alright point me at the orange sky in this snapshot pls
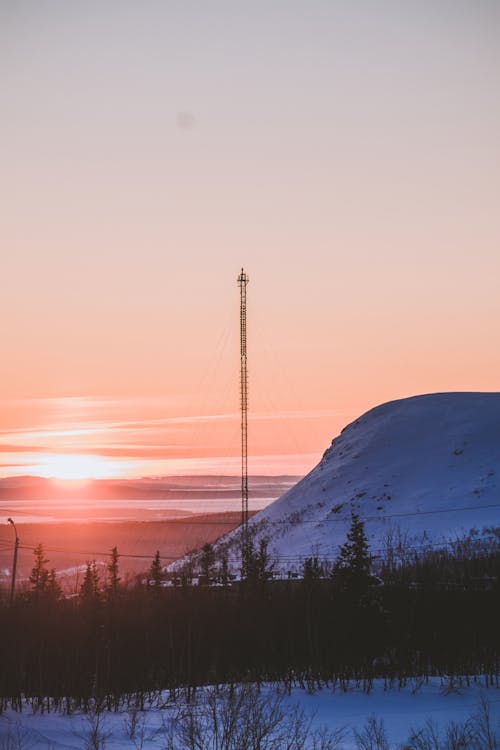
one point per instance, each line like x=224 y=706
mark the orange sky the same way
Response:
x=347 y=154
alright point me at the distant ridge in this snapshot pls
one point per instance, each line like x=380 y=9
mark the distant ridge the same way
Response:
x=168 y=487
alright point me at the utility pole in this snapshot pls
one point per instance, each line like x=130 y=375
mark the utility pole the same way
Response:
x=14 y=564
x=242 y=283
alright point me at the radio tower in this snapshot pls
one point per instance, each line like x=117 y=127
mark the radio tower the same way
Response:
x=242 y=283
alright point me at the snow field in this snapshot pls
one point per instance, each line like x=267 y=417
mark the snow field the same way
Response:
x=400 y=709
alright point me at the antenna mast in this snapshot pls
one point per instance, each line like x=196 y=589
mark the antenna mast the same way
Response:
x=242 y=283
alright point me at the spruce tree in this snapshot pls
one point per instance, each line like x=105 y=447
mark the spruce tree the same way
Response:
x=39 y=577
x=53 y=589
x=89 y=590
x=259 y=566
x=155 y=572
x=224 y=571
x=207 y=563
x=352 y=568
x=312 y=570
x=114 y=578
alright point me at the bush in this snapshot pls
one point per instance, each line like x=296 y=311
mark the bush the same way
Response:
x=243 y=718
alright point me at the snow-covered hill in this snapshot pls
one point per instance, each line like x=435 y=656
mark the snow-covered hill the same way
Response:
x=426 y=468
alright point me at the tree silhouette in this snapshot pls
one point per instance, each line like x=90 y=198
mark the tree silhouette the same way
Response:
x=207 y=563
x=53 y=588
x=352 y=568
x=258 y=567
x=224 y=577
x=39 y=577
x=312 y=570
x=114 y=578
x=155 y=572
x=89 y=590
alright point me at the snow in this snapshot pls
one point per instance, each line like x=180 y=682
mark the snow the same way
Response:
x=401 y=710
x=427 y=467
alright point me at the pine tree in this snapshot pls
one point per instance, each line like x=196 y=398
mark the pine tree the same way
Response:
x=114 y=578
x=352 y=568
x=89 y=590
x=258 y=565
x=224 y=571
x=207 y=563
x=312 y=570
x=39 y=577
x=53 y=588
x=155 y=572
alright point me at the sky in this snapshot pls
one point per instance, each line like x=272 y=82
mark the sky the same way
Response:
x=346 y=154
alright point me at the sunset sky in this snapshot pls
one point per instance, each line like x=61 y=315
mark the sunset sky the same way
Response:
x=347 y=154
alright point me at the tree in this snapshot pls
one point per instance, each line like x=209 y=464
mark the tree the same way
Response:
x=114 y=578
x=352 y=568
x=224 y=571
x=312 y=570
x=39 y=577
x=43 y=581
x=155 y=572
x=89 y=590
x=207 y=563
x=53 y=588
x=258 y=566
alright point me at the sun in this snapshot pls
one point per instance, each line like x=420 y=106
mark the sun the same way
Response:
x=67 y=466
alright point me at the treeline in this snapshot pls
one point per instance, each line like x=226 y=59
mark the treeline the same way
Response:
x=328 y=627
x=308 y=633
x=471 y=562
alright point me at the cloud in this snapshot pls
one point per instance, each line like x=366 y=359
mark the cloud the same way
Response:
x=7 y=448
x=140 y=451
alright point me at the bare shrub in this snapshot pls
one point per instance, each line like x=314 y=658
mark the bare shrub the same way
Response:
x=243 y=718
x=94 y=733
x=458 y=736
x=372 y=736
x=485 y=737
x=477 y=733
x=327 y=739
x=426 y=738
x=135 y=724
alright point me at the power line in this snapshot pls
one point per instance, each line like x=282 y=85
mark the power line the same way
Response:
x=187 y=522
x=95 y=553
x=400 y=515
x=283 y=558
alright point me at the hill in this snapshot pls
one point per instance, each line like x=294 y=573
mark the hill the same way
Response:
x=419 y=471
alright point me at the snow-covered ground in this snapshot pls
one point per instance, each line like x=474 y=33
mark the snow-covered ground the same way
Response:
x=401 y=710
x=426 y=468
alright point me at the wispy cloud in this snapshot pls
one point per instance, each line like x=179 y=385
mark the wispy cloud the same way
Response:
x=142 y=433
x=6 y=448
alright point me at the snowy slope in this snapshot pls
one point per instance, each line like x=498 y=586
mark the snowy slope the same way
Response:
x=426 y=466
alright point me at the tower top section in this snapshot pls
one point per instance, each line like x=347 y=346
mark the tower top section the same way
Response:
x=243 y=278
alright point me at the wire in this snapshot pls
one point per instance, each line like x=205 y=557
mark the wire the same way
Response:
x=290 y=559
x=94 y=553
x=282 y=558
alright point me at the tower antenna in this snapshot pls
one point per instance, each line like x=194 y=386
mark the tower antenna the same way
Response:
x=242 y=283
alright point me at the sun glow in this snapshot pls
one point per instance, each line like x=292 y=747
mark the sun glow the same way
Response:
x=76 y=466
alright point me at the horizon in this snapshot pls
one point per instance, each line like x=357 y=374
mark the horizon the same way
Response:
x=41 y=500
